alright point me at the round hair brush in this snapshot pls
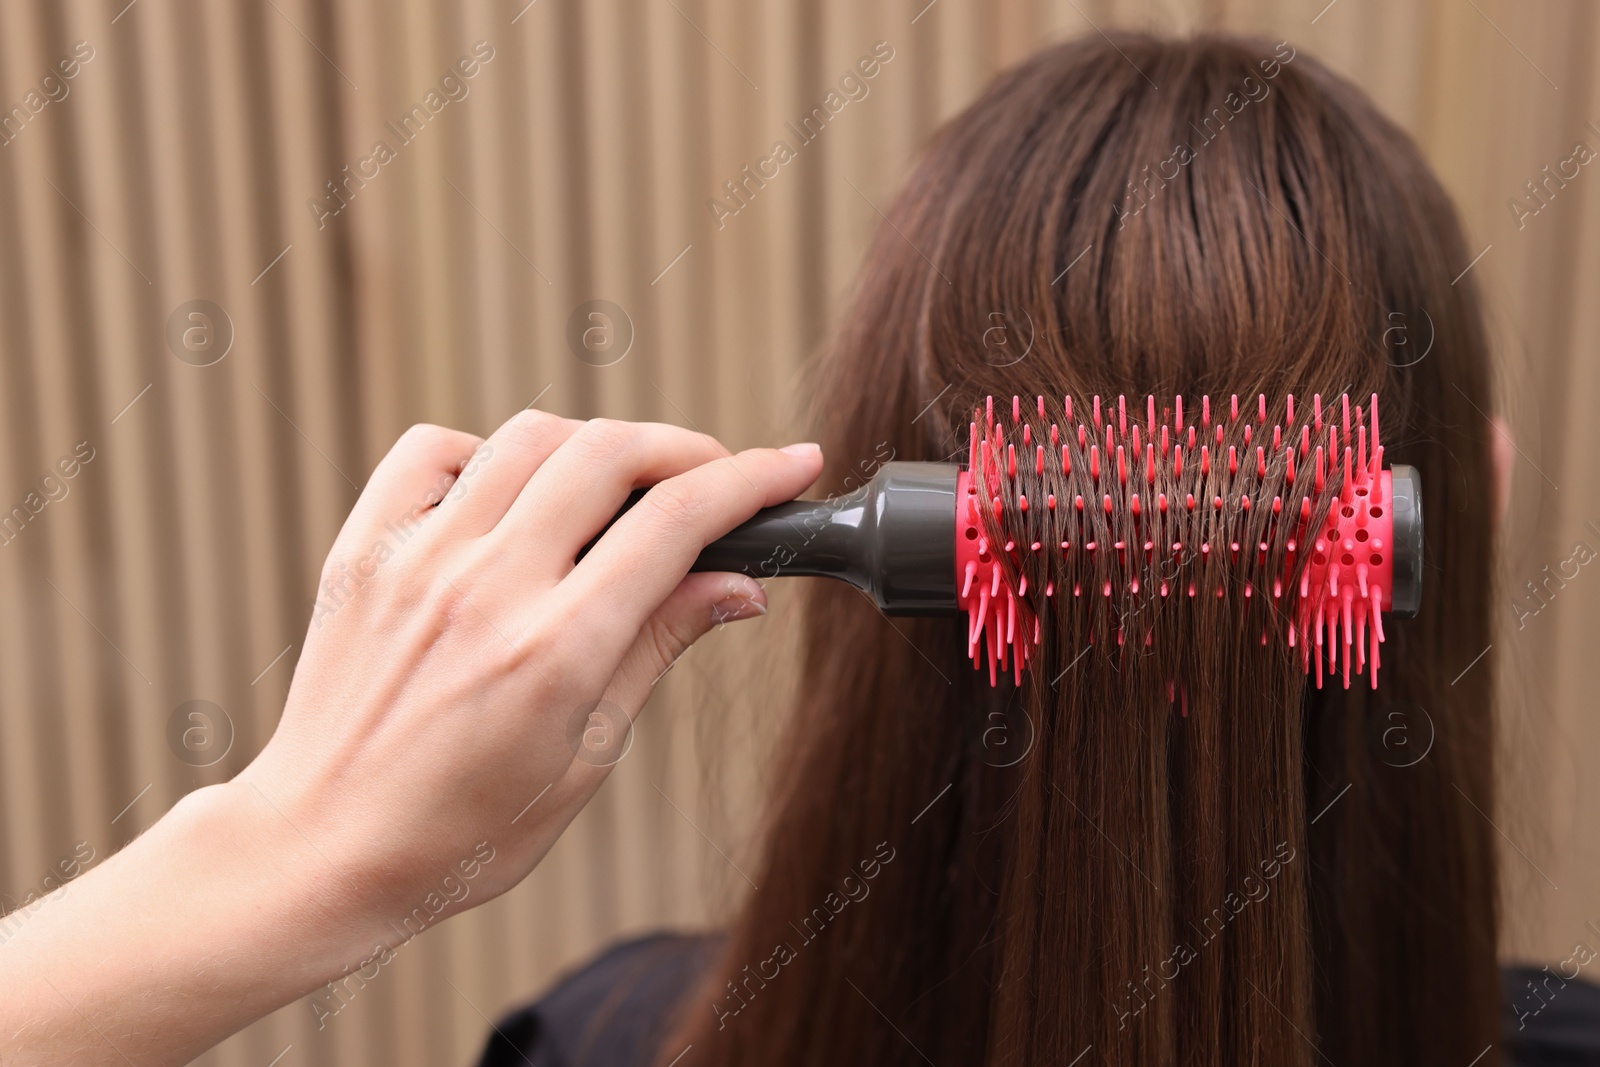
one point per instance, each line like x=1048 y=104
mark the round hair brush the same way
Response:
x=1060 y=510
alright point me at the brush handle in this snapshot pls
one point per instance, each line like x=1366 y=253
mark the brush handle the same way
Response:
x=893 y=538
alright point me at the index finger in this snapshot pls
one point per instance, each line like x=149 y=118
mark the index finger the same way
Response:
x=640 y=560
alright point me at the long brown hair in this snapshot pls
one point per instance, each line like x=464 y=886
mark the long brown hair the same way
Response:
x=1078 y=870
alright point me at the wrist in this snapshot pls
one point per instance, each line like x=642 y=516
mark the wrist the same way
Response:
x=217 y=915
x=296 y=891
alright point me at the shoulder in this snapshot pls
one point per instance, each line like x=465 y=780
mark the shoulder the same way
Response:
x=610 y=1012
x=1550 y=1020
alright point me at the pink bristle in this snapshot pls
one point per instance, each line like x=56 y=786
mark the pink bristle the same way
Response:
x=1374 y=420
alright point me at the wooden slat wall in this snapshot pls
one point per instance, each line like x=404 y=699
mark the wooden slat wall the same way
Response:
x=181 y=563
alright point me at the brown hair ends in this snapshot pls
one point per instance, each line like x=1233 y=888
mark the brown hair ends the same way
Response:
x=1077 y=870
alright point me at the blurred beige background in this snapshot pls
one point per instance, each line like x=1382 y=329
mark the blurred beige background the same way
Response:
x=188 y=158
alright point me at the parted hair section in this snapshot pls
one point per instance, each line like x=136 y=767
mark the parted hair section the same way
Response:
x=1161 y=843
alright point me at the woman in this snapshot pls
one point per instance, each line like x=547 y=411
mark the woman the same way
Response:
x=1266 y=878
x=1248 y=879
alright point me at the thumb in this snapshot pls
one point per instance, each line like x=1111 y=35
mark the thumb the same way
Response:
x=700 y=604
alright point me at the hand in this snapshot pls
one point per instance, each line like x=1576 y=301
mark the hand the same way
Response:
x=476 y=671
x=463 y=689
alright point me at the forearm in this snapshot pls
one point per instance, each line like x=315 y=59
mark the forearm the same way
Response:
x=217 y=915
x=435 y=724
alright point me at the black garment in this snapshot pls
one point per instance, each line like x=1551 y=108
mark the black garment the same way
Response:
x=615 y=1011
x=612 y=1012
x=1552 y=1022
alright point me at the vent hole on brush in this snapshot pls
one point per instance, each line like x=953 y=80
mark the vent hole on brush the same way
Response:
x=972 y=534
x=1376 y=512
x=1361 y=492
x=1348 y=512
x=1347 y=559
x=1320 y=558
x=1361 y=535
x=1377 y=559
x=984 y=556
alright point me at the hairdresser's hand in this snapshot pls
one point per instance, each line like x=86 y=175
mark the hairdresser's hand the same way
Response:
x=461 y=694
x=473 y=692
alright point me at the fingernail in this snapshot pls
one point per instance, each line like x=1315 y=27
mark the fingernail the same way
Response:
x=805 y=448
x=745 y=599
